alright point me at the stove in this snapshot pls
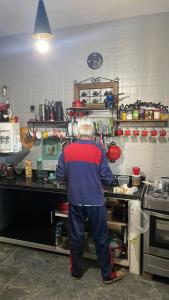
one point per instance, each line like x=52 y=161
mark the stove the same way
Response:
x=156 y=200
x=156 y=239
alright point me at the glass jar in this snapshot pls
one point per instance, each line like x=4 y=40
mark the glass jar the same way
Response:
x=141 y=113
x=149 y=114
x=129 y=115
x=135 y=114
x=156 y=114
x=28 y=168
x=136 y=180
x=164 y=116
x=123 y=115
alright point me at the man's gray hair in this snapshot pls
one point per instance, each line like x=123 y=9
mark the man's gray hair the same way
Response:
x=86 y=127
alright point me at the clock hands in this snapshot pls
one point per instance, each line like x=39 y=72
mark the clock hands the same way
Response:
x=96 y=62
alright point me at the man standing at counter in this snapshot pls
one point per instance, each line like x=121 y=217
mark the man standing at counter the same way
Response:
x=84 y=166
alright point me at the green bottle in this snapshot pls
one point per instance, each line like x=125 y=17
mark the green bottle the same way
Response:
x=39 y=169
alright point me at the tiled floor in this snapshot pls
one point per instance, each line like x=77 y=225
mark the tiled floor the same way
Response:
x=27 y=274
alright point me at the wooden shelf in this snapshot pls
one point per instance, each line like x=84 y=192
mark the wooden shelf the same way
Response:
x=60 y=214
x=87 y=108
x=92 y=96
x=58 y=124
x=111 y=223
x=141 y=120
x=47 y=122
x=118 y=261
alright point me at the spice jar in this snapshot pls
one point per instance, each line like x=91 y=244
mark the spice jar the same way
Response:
x=135 y=114
x=141 y=113
x=129 y=115
x=123 y=115
x=149 y=114
x=156 y=114
x=164 y=116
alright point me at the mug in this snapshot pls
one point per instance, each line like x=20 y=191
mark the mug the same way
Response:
x=84 y=94
x=144 y=132
x=153 y=132
x=95 y=93
x=162 y=132
x=127 y=132
x=136 y=170
x=136 y=132
x=119 y=132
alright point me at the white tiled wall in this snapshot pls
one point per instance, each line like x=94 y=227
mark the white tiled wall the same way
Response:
x=135 y=50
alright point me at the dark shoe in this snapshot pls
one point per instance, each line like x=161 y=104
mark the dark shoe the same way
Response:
x=115 y=276
x=76 y=277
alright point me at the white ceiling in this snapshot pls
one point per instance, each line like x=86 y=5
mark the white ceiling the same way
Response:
x=18 y=16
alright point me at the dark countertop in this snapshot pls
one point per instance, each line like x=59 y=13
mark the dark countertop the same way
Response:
x=21 y=183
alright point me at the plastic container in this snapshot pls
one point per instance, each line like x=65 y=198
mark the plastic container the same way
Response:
x=123 y=179
x=116 y=247
x=63 y=207
x=136 y=228
x=136 y=170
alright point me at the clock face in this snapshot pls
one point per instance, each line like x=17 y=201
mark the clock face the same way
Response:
x=95 y=60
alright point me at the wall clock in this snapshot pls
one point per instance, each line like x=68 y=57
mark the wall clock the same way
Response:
x=95 y=60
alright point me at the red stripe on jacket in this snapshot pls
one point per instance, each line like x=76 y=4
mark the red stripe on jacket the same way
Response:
x=82 y=152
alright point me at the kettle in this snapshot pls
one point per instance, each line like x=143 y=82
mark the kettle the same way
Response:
x=114 y=152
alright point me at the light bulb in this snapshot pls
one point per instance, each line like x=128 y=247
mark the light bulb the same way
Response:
x=42 y=46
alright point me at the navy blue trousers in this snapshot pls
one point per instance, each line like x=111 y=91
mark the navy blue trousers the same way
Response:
x=97 y=218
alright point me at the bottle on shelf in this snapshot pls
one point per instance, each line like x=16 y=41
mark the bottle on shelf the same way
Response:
x=39 y=169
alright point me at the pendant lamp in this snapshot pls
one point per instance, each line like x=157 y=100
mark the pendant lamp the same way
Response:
x=42 y=30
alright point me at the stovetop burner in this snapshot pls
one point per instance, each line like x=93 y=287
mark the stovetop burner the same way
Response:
x=158 y=195
x=156 y=200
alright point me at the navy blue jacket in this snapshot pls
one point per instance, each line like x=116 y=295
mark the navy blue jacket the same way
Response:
x=84 y=166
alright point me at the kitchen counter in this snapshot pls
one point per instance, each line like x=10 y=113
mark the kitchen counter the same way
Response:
x=29 y=214
x=21 y=183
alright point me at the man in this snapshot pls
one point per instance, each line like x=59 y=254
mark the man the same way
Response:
x=83 y=165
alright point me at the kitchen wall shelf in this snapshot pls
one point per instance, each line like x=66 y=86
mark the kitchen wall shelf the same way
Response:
x=87 y=108
x=98 y=84
x=48 y=122
x=53 y=124
x=143 y=123
x=141 y=120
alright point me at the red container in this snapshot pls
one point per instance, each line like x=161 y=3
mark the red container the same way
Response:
x=77 y=103
x=136 y=170
x=63 y=207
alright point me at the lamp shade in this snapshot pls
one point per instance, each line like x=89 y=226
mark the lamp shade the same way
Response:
x=42 y=28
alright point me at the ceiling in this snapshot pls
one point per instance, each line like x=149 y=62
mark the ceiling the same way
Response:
x=18 y=16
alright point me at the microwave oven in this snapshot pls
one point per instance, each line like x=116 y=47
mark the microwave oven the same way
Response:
x=10 y=138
